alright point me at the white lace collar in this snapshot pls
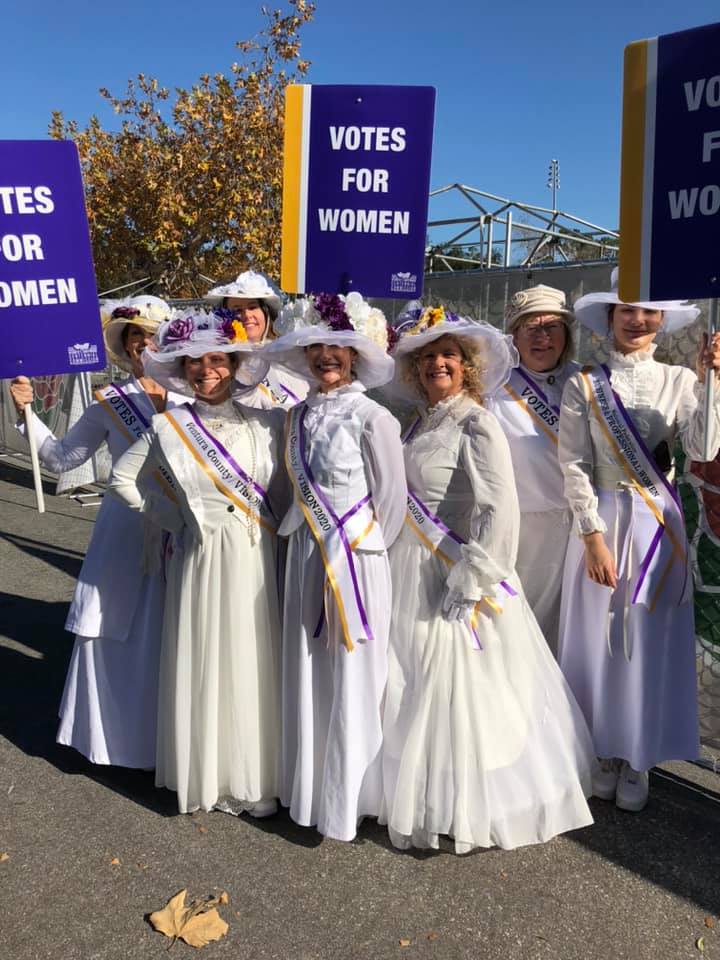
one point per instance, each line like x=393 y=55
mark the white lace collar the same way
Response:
x=450 y=411
x=215 y=411
x=316 y=399
x=618 y=359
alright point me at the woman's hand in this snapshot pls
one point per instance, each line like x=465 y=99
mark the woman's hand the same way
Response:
x=599 y=562
x=708 y=356
x=22 y=393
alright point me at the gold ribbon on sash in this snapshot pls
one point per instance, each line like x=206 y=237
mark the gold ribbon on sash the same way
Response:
x=330 y=532
x=215 y=461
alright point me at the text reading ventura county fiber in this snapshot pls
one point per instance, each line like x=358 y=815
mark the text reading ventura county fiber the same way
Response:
x=365 y=180
x=18 y=247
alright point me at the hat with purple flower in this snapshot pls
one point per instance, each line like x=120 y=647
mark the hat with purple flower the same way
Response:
x=193 y=333
x=342 y=321
x=494 y=353
x=144 y=311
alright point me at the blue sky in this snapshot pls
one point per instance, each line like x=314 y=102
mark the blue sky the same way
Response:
x=518 y=82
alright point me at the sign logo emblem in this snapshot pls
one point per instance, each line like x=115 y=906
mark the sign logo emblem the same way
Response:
x=82 y=353
x=403 y=282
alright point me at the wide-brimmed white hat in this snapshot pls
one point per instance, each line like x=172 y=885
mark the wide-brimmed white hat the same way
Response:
x=537 y=299
x=144 y=311
x=248 y=286
x=417 y=326
x=194 y=333
x=592 y=310
x=343 y=321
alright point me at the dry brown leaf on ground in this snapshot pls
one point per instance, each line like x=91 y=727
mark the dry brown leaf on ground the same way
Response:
x=197 y=924
x=114 y=862
x=433 y=936
x=404 y=942
x=4 y=857
x=709 y=922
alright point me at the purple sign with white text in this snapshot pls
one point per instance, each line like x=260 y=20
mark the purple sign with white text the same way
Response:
x=49 y=311
x=361 y=199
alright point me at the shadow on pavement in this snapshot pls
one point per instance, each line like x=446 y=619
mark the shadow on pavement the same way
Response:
x=35 y=655
x=69 y=561
x=22 y=477
x=672 y=843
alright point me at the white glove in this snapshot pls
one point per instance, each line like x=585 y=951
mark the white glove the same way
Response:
x=456 y=607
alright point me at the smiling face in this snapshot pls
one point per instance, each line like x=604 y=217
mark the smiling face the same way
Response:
x=330 y=365
x=210 y=376
x=634 y=328
x=540 y=340
x=135 y=339
x=250 y=314
x=441 y=367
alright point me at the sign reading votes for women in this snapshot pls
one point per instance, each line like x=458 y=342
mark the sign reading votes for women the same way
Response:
x=670 y=183
x=49 y=314
x=355 y=193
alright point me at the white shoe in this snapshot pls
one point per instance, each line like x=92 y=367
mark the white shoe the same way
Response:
x=605 y=779
x=632 y=789
x=263 y=808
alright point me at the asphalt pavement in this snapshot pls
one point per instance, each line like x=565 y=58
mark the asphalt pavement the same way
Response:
x=87 y=852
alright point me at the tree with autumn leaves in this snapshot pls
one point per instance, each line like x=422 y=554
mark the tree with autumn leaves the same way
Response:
x=191 y=184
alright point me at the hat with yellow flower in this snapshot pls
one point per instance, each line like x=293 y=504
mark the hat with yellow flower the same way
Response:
x=342 y=321
x=193 y=333
x=144 y=311
x=416 y=326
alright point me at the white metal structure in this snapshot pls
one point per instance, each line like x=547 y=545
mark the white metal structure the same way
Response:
x=498 y=232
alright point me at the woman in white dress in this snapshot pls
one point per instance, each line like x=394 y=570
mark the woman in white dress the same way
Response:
x=219 y=709
x=483 y=740
x=109 y=705
x=345 y=461
x=253 y=300
x=528 y=408
x=627 y=641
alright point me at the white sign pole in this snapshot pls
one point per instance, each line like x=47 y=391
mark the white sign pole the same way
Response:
x=710 y=379
x=37 y=479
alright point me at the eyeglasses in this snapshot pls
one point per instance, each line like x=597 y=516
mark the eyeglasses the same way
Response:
x=536 y=330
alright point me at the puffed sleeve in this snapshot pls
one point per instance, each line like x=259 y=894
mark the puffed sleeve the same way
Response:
x=691 y=416
x=78 y=445
x=385 y=467
x=489 y=555
x=575 y=452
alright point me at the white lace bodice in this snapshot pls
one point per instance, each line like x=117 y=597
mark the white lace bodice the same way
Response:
x=665 y=403
x=458 y=462
x=352 y=445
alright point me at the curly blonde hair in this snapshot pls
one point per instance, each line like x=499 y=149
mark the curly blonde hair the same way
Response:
x=473 y=357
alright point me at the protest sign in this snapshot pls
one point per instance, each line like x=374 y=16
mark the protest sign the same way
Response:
x=49 y=315
x=670 y=177
x=356 y=186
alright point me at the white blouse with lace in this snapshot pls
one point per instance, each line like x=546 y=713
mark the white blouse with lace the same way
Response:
x=665 y=403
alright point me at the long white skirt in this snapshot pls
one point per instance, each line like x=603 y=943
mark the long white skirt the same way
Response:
x=487 y=746
x=632 y=670
x=219 y=708
x=542 y=547
x=108 y=710
x=332 y=698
